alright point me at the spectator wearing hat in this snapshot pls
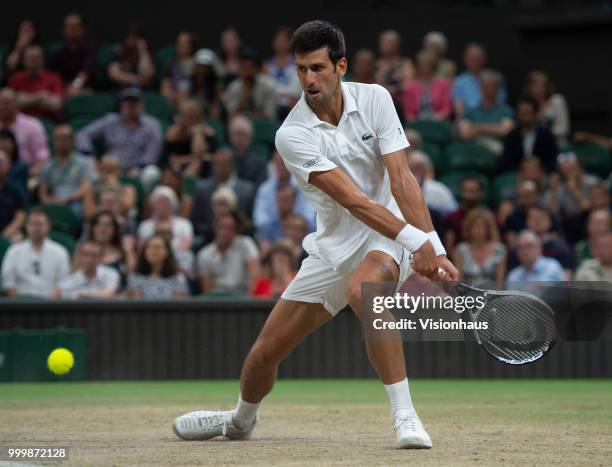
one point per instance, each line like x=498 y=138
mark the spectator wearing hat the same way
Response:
x=75 y=61
x=133 y=136
x=206 y=83
x=131 y=64
x=249 y=165
x=40 y=92
x=36 y=265
x=178 y=72
x=91 y=279
x=67 y=179
x=252 y=93
x=164 y=221
x=29 y=132
x=569 y=187
x=529 y=139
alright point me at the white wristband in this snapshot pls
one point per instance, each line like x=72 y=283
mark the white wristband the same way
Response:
x=411 y=238
x=436 y=243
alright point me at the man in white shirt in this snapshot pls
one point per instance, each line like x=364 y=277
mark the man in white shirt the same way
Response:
x=36 y=265
x=92 y=279
x=345 y=145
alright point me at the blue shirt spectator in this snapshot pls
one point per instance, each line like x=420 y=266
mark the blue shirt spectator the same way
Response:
x=265 y=209
x=534 y=267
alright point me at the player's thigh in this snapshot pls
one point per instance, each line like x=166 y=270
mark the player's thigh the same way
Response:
x=377 y=266
x=287 y=325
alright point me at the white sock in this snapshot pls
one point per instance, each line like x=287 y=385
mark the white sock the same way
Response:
x=399 y=396
x=244 y=413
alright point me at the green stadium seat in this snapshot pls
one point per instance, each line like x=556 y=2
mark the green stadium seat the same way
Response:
x=50 y=49
x=105 y=55
x=49 y=126
x=470 y=156
x=159 y=107
x=504 y=186
x=265 y=133
x=432 y=131
x=89 y=106
x=453 y=181
x=63 y=239
x=189 y=185
x=80 y=122
x=163 y=56
x=594 y=158
x=436 y=156
x=4 y=245
x=219 y=130
x=63 y=219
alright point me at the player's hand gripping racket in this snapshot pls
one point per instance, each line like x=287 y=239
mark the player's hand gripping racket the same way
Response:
x=521 y=328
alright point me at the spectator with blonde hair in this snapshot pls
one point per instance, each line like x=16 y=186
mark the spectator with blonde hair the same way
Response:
x=436 y=42
x=178 y=230
x=480 y=257
x=427 y=97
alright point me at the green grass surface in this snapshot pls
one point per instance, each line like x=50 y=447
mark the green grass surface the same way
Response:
x=502 y=393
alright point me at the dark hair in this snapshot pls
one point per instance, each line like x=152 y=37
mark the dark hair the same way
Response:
x=39 y=211
x=116 y=238
x=237 y=218
x=8 y=134
x=168 y=269
x=528 y=100
x=316 y=34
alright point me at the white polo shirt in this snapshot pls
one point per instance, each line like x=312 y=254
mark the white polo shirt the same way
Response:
x=368 y=129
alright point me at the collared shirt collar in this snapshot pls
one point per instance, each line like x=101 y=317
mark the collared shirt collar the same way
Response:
x=348 y=102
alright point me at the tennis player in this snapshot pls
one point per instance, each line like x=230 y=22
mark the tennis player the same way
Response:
x=345 y=145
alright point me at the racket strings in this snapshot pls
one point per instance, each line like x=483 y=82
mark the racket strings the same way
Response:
x=520 y=329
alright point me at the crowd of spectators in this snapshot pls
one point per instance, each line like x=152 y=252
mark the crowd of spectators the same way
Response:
x=175 y=187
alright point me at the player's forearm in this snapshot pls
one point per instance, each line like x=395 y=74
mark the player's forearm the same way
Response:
x=409 y=198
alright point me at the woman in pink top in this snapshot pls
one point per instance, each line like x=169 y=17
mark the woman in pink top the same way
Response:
x=427 y=97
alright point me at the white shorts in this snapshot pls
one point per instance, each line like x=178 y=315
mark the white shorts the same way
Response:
x=317 y=282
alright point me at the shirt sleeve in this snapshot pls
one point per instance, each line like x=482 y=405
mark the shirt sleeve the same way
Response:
x=204 y=268
x=250 y=248
x=300 y=154
x=9 y=276
x=389 y=130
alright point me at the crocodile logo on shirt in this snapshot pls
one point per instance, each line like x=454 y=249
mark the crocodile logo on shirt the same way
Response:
x=367 y=136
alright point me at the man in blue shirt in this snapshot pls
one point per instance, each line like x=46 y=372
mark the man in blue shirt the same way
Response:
x=467 y=93
x=534 y=267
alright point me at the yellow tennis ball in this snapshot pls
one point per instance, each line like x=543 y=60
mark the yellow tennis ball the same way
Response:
x=60 y=361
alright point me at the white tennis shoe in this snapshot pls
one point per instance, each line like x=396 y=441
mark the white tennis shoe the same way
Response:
x=410 y=431
x=203 y=425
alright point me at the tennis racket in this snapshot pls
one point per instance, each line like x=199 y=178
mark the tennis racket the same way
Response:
x=521 y=328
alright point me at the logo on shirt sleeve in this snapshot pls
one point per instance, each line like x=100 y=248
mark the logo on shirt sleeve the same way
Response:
x=312 y=162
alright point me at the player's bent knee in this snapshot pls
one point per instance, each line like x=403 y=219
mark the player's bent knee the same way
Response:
x=265 y=353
